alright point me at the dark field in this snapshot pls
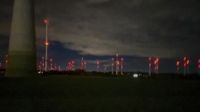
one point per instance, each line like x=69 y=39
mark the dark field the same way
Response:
x=99 y=94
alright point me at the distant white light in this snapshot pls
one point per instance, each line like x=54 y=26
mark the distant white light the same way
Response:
x=135 y=75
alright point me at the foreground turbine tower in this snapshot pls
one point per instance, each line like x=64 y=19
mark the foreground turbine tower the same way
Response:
x=22 y=50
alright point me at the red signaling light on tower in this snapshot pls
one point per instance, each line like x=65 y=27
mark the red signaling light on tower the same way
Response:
x=188 y=62
x=156 y=61
x=185 y=62
x=46 y=21
x=184 y=59
x=177 y=63
x=46 y=43
x=177 y=66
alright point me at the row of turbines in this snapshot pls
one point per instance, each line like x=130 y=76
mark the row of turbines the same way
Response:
x=48 y=65
x=181 y=65
x=116 y=65
x=154 y=63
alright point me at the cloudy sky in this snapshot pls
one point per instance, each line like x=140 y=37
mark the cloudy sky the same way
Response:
x=98 y=29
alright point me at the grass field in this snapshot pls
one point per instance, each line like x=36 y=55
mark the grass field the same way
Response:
x=98 y=94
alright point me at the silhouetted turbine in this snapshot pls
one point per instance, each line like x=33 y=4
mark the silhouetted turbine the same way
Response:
x=22 y=50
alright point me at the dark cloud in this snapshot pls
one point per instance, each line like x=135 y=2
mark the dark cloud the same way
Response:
x=131 y=27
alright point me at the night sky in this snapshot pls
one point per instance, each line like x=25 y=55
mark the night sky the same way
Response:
x=98 y=29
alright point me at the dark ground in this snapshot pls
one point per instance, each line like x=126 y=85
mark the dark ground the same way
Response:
x=98 y=94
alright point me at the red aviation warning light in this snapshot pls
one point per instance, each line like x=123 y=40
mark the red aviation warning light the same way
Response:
x=46 y=43
x=46 y=21
x=177 y=66
x=188 y=62
x=185 y=61
x=156 y=62
x=177 y=63
x=70 y=65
